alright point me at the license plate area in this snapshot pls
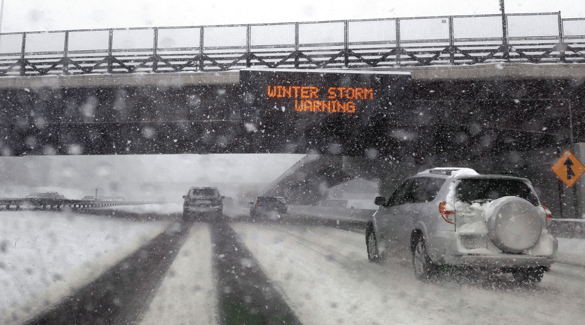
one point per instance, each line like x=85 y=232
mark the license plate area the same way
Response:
x=202 y=204
x=473 y=242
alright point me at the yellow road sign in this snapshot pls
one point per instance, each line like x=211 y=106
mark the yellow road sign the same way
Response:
x=568 y=168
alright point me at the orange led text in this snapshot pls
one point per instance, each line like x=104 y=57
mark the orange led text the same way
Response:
x=312 y=99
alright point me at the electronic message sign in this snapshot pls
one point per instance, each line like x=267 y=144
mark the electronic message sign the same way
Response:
x=330 y=111
x=309 y=92
x=311 y=98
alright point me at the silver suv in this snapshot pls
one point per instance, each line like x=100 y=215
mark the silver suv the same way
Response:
x=455 y=216
x=202 y=201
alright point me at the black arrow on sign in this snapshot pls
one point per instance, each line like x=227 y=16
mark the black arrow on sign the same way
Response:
x=570 y=172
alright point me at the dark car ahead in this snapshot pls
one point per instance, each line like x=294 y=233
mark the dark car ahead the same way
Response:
x=268 y=206
x=202 y=202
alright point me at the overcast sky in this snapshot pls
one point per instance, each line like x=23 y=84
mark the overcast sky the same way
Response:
x=39 y=15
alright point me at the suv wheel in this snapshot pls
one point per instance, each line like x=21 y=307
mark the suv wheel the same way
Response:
x=372 y=246
x=528 y=276
x=424 y=269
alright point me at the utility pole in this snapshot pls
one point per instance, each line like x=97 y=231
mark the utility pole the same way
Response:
x=504 y=31
x=1 y=16
x=1 y=13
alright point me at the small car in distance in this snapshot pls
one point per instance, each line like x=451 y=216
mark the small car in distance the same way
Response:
x=268 y=206
x=203 y=202
x=457 y=217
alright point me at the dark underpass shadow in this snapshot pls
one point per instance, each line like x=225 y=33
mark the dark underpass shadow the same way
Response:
x=121 y=294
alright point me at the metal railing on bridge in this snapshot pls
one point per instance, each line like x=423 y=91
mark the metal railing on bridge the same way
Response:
x=374 y=43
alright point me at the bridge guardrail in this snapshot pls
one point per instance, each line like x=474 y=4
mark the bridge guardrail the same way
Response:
x=338 y=213
x=15 y=204
x=368 y=43
x=568 y=228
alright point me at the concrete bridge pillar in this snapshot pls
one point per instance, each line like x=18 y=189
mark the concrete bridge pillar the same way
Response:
x=388 y=172
x=579 y=190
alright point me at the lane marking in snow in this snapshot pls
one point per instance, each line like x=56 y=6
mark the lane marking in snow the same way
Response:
x=187 y=293
x=245 y=294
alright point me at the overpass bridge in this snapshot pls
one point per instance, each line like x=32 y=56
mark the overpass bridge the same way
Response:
x=362 y=44
x=473 y=94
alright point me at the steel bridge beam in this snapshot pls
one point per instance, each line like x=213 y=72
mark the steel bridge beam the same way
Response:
x=495 y=71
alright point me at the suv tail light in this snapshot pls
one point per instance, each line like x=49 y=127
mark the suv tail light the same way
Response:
x=548 y=216
x=447 y=212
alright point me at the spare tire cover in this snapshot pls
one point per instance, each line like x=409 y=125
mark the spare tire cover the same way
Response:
x=514 y=224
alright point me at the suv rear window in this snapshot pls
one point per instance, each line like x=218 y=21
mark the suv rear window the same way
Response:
x=470 y=190
x=203 y=192
x=416 y=190
x=268 y=201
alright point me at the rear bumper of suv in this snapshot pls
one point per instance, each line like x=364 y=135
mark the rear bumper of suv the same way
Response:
x=447 y=249
x=203 y=213
x=203 y=209
x=499 y=261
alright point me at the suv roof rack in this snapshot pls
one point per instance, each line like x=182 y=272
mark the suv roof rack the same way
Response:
x=444 y=170
x=500 y=172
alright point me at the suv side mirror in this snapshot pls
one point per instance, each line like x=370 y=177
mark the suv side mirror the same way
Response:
x=380 y=200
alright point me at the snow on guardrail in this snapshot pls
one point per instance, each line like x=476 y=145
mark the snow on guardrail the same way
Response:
x=564 y=228
x=568 y=228
x=15 y=204
x=336 y=213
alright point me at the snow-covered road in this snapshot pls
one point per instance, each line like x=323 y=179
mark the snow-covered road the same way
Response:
x=321 y=275
x=46 y=256
x=326 y=276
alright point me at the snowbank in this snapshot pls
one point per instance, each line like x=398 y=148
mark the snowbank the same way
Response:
x=166 y=208
x=571 y=250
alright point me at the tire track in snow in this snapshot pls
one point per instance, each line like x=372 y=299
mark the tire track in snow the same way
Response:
x=245 y=293
x=120 y=294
